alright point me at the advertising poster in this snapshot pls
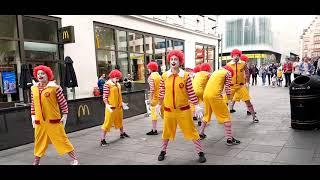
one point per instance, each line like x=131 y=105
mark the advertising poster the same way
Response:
x=9 y=82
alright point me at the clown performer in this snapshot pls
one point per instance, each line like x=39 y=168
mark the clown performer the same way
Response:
x=237 y=97
x=112 y=98
x=175 y=92
x=214 y=102
x=199 y=84
x=240 y=81
x=47 y=121
x=154 y=84
x=192 y=75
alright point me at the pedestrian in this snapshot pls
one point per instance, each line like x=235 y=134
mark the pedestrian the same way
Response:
x=274 y=80
x=287 y=70
x=263 y=73
x=214 y=102
x=101 y=81
x=279 y=76
x=154 y=85
x=296 y=69
x=254 y=73
x=175 y=91
x=48 y=123
x=199 y=84
x=240 y=82
x=305 y=67
x=114 y=106
x=269 y=72
x=318 y=67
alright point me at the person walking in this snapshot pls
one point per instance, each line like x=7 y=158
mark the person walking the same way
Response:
x=296 y=69
x=287 y=70
x=306 y=67
x=254 y=73
x=263 y=73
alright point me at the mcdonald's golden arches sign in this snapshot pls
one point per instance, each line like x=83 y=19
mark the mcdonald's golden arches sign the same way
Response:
x=67 y=34
x=83 y=110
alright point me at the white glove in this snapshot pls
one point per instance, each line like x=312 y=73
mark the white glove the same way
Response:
x=33 y=120
x=199 y=111
x=64 y=119
x=125 y=106
x=158 y=109
x=230 y=104
x=108 y=107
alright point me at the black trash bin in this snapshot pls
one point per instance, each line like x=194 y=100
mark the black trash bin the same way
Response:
x=305 y=102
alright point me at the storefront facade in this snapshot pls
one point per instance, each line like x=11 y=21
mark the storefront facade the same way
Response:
x=105 y=42
x=31 y=40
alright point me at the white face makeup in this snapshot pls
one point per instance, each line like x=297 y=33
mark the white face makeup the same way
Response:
x=115 y=80
x=42 y=76
x=236 y=58
x=174 y=62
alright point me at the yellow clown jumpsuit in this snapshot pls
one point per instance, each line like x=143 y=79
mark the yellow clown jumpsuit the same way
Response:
x=238 y=80
x=199 y=84
x=213 y=100
x=156 y=78
x=48 y=128
x=115 y=117
x=176 y=106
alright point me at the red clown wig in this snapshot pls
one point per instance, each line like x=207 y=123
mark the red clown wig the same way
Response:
x=115 y=74
x=153 y=66
x=45 y=69
x=236 y=52
x=177 y=53
x=205 y=67
x=197 y=69
x=244 y=58
x=229 y=69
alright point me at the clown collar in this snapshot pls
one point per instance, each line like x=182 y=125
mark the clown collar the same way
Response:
x=112 y=83
x=232 y=62
x=181 y=73
x=50 y=84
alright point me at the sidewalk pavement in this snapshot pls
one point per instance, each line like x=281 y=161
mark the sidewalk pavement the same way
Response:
x=271 y=141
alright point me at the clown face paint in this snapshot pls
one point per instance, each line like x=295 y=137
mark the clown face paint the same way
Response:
x=174 y=62
x=236 y=58
x=42 y=76
x=115 y=80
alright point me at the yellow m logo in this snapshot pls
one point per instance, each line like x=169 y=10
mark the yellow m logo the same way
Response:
x=65 y=35
x=83 y=108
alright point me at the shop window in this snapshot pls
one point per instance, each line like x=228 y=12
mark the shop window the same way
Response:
x=8 y=26
x=9 y=64
x=178 y=45
x=40 y=51
x=149 y=44
x=160 y=52
x=121 y=40
x=104 y=38
x=137 y=67
x=123 y=63
x=169 y=45
x=199 y=54
x=137 y=42
x=106 y=61
x=39 y=29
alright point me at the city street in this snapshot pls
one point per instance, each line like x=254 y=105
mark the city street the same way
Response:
x=269 y=142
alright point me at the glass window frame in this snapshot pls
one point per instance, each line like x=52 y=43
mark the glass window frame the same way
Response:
x=144 y=34
x=205 y=48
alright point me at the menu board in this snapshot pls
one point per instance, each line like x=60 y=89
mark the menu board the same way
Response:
x=9 y=82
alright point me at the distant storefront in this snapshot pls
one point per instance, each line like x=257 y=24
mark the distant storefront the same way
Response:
x=31 y=40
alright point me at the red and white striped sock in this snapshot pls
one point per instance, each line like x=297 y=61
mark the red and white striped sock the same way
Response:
x=121 y=130
x=154 y=125
x=228 y=129
x=164 y=145
x=197 y=146
x=251 y=110
x=36 y=160
x=203 y=126
x=232 y=104
x=103 y=135
x=73 y=155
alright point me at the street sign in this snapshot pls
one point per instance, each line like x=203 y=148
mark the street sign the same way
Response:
x=66 y=34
